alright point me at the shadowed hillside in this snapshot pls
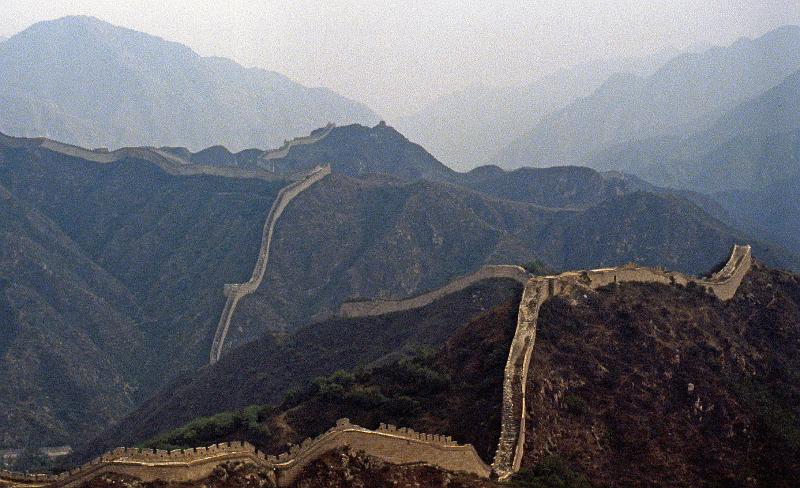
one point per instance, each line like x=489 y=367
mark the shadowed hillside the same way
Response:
x=399 y=239
x=661 y=386
x=264 y=370
x=630 y=385
x=71 y=339
x=173 y=240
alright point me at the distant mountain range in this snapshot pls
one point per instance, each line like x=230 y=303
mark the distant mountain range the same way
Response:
x=749 y=148
x=688 y=94
x=466 y=128
x=87 y=82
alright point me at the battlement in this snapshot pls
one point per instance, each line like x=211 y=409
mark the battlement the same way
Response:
x=371 y=308
x=511 y=444
x=392 y=444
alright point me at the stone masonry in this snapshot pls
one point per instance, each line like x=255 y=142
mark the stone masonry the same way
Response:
x=399 y=446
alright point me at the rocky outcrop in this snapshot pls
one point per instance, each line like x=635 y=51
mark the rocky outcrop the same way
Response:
x=380 y=307
x=398 y=446
x=236 y=291
x=511 y=444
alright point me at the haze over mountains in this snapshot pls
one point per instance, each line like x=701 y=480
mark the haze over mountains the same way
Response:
x=689 y=93
x=386 y=227
x=87 y=82
x=466 y=128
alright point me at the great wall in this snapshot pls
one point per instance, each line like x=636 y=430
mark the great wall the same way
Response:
x=510 y=447
x=236 y=291
x=312 y=138
x=387 y=442
x=403 y=446
x=399 y=446
x=380 y=307
x=170 y=163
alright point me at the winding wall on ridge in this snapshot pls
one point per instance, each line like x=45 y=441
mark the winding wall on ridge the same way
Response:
x=380 y=307
x=511 y=445
x=164 y=160
x=399 y=446
x=236 y=291
x=313 y=138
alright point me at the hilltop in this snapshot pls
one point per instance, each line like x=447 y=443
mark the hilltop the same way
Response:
x=87 y=82
x=465 y=129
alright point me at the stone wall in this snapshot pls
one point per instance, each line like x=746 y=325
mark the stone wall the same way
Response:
x=313 y=138
x=236 y=291
x=510 y=447
x=380 y=307
x=387 y=442
x=399 y=446
x=164 y=160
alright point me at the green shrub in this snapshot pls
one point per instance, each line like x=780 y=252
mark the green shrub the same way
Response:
x=552 y=472
x=422 y=378
x=366 y=397
x=575 y=404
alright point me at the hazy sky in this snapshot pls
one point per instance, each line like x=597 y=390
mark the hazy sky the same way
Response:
x=396 y=55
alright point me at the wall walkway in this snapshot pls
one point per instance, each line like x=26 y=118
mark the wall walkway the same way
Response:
x=380 y=307
x=236 y=291
x=510 y=447
x=313 y=138
x=400 y=446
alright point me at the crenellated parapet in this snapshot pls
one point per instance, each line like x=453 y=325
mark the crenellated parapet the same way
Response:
x=392 y=444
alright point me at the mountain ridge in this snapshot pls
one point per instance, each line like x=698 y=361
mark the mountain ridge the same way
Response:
x=688 y=93
x=148 y=91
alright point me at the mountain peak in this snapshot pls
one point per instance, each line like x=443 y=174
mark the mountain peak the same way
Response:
x=87 y=82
